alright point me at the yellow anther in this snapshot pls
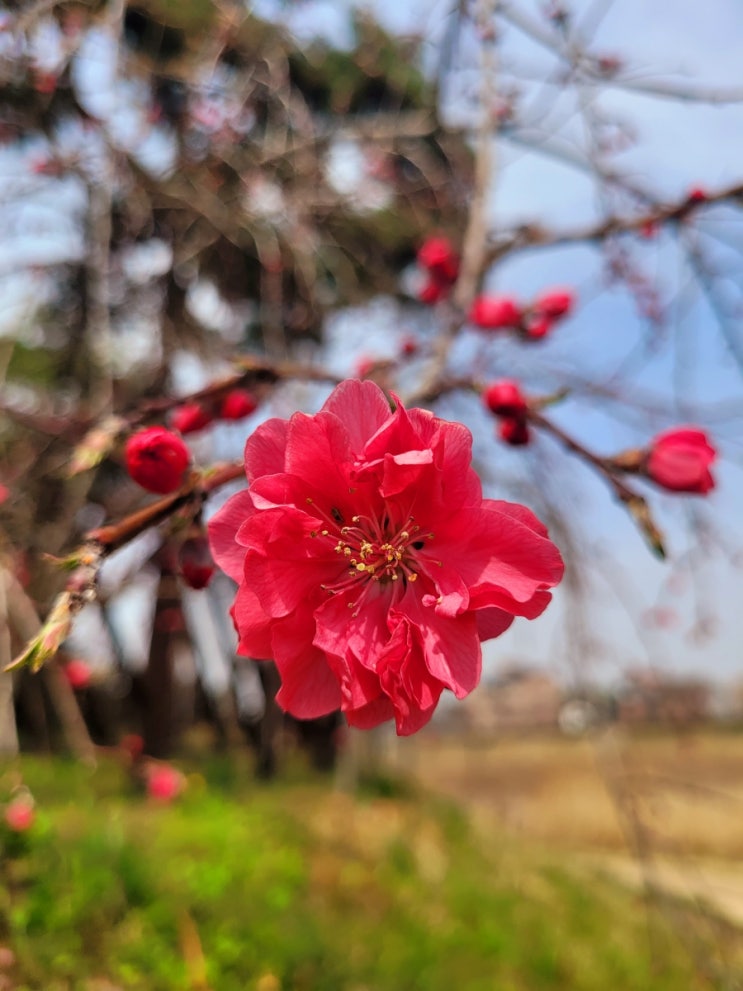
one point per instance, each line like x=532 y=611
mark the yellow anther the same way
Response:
x=412 y=577
x=361 y=566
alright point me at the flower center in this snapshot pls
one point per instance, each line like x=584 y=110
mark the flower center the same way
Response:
x=375 y=549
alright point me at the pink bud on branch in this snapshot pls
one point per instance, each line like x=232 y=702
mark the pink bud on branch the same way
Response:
x=679 y=460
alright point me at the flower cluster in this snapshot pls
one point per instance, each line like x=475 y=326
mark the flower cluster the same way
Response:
x=369 y=565
x=498 y=312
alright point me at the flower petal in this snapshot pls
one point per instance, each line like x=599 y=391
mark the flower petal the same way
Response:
x=223 y=527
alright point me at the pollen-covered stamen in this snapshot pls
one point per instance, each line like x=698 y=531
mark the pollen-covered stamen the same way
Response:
x=374 y=548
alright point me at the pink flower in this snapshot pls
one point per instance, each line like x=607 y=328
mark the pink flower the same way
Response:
x=19 y=814
x=157 y=459
x=495 y=312
x=370 y=566
x=679 y=460
x=164 y=783
x=190 y=418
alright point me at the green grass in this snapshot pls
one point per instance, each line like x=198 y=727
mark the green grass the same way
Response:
x=292 y=886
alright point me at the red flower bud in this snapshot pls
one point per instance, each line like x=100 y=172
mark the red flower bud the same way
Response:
x=77 y=673
x=539 y=328
x=164 y=783
x=431 y=292
x=697 y=195
x=190 y=417
x=237 y=404
x=495 y=312
x=196 y=563
x=157 y=459
x=505 y=398
x=679 y=460
x=514 y=431
x=554 y=303
x=439 y=259
x=19 y=814
x=409 y=347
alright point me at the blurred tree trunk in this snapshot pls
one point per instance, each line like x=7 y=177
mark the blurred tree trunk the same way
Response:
x=158 y=678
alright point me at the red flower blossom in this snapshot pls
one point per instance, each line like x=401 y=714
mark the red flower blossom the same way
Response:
x=164 y=783
x=514 y=430
x=679 y=460
x=504 y=398
x=77 y=673
x=195 y=562
x=19 y=814
x=157 y=459
x=370 y=566
x=438 y=257
x=495 y=312
x=190 y=417
x=238 y=403
x=554 y=303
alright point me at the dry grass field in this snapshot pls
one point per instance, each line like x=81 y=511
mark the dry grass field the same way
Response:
x=679 y=794
x=658 y=811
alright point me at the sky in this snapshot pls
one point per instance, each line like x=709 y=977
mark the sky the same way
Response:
x=681 y=616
